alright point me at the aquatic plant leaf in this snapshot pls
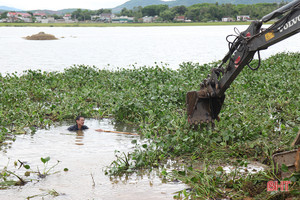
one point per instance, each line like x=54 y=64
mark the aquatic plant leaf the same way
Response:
x=27 y=166
x=133 y=141
x=284 y=168
x=27 y=173
x=44 y=160
x=220 y=168
x=182 y=173
x=8 y=183
x=164 y=173
x=295 y=192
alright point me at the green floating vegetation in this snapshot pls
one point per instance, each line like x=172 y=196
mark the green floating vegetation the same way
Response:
x=10 y=178
x=259 y=117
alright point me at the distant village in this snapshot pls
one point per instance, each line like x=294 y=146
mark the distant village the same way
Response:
x=205 y=12
x=15 y=17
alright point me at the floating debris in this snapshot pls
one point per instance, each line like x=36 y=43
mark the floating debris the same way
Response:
x=41 y=36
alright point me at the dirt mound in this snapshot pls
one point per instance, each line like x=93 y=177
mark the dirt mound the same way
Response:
x=41 y=36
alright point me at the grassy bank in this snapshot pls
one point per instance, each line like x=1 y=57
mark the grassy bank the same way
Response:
x=120 y=25
x=259 y=117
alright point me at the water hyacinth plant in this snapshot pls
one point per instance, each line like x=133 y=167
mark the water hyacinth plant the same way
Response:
x=260 y=114
x=9 y=177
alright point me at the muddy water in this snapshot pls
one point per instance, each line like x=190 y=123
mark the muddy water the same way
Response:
x=93 y=46
x=85 y=155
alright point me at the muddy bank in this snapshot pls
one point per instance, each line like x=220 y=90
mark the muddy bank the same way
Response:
x=41 y=36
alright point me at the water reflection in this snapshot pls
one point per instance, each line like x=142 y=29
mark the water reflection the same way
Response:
x=79 y=137
x=119 y=126
x=149 y=175
x=86 y=154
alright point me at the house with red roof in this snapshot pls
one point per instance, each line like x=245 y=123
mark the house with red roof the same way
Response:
x=39 y=17
x=19 y=17
x=67 y=17
x=242 y=18
x=179 y=19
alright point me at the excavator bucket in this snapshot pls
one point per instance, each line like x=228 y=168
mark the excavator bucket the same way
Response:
x=201 y=109
x=291 y=159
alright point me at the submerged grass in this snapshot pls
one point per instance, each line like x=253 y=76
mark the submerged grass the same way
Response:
x=260 y=114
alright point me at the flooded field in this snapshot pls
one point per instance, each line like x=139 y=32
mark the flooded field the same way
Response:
x=85 y=155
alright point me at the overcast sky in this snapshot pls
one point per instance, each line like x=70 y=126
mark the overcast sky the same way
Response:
x=61 y=4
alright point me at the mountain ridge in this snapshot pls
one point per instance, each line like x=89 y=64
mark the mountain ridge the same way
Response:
x=6 y=8
x=135 y=3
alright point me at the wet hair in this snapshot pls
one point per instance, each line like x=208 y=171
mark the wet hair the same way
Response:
x=78 y=117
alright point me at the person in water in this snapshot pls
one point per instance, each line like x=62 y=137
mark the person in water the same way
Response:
x=79 y=124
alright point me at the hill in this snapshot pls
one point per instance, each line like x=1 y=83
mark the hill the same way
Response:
x=135 y=3
x=6 y=8
x=55 y=12
x=48 y=12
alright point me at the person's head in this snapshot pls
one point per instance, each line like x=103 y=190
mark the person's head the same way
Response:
x=80 y=120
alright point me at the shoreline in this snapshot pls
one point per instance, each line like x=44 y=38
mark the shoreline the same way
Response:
x=120 y=25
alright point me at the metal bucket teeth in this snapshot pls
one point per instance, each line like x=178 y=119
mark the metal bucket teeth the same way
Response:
x=203 y=110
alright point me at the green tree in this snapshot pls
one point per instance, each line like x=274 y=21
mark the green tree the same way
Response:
x=86 y=15
x=55 y=16
x=179 y=10
x=154 y=10
x=82 y=15
x=167 y=15
x=30 y=13
x=3 y=15
x=76 y=14
x=137 y=13
x=126 y=12
x=229 y=10
x=100 y=11
x=193 y=14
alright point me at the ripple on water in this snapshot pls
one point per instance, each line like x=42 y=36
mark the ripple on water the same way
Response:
x=85 y=154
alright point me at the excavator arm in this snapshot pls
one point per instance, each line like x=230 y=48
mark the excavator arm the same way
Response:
x=204 y=106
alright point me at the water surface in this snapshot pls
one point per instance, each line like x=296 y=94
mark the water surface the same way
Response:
x=113 y=47
x=86 y=155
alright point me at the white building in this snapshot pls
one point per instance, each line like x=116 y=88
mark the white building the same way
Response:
x=147 y=19
x=242 y=18
x=122 y=19
x=227 y=19
x=68 y=18
x=39 y=17
x=104 y=17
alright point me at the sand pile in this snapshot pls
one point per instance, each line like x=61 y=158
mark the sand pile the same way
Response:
x=41 y=36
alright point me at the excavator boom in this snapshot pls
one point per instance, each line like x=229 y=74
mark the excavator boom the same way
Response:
x=204 y=106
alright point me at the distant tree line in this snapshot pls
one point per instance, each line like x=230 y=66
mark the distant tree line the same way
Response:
x=82 y=15
x=197 y=13
x=203 y=12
